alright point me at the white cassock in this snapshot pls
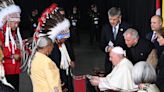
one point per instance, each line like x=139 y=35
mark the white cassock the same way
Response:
x=119 y=79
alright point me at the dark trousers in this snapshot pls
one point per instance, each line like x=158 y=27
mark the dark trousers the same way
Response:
x=90 y=88
x=67 y=80
x=108 y=66
x=74 y=34
x=95 y=33
x=13 y=80
x=5 y=88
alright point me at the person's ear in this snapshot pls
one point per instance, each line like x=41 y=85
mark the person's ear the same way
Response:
x=136 y=40
x=161 y=24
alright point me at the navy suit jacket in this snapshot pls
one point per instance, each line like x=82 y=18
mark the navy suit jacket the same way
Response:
x=149 y=35
x=155 y=43
x=107 y=35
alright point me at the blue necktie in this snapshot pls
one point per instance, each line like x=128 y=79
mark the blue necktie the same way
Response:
x=114 y=33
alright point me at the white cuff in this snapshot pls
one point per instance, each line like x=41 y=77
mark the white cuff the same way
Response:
x=106 y=49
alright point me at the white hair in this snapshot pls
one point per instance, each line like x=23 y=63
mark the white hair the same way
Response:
x=143 y=73
x=133 y=32
x=42 y=42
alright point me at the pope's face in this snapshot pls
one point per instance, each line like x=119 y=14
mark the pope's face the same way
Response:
x=114 y=58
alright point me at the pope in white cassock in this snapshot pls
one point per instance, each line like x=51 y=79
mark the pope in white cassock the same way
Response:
x=120 y=79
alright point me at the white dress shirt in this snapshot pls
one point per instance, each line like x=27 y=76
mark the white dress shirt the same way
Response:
x=154 y=36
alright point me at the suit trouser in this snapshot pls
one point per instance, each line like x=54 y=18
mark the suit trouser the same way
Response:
x=74 y=34
x=108 y=66
x=67 y=80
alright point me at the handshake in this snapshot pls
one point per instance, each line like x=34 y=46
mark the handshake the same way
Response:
x=109 y=47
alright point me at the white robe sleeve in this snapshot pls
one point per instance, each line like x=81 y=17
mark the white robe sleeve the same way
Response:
x=119 y=78
x=104 y=84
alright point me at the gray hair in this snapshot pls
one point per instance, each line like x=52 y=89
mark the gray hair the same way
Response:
x=43 y=41
x=133 y=32
x=114 y=11
x=143 y=72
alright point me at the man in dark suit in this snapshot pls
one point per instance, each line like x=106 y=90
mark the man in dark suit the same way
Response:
x=112 y=35
x=156 y=24
x=56 y=57
x=138 y=48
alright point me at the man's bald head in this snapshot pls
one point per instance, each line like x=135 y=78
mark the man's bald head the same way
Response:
x=156 y=22
x=160 y=19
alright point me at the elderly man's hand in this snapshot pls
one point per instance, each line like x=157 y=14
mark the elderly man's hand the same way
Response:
x=95 y=80
x=16 y=57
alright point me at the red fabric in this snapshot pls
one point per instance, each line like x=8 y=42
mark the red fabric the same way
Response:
x=158 y=7
x=9 y=67
x=158 y=4
x=79 y=84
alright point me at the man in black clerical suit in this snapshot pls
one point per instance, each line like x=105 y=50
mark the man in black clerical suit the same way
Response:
x=112 y=35
x=138 y=48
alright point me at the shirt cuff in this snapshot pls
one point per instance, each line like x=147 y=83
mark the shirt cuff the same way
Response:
x=106 y=48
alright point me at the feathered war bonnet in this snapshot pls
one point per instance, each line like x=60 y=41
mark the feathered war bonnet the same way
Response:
x=9 y=12
x=52 y=23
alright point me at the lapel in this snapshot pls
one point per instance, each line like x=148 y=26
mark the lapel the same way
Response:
x=120 y=32
x=109 y=33
x=151 y=35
